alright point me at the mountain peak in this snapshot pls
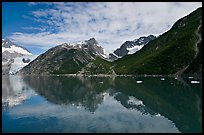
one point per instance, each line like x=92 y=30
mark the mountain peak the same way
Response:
x=92 y=41
x=7 y=43
x=130 y=47
x=9 y=46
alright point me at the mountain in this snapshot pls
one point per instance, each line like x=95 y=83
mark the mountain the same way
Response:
x=65 y=58
x=130 y=47
x=171 y=53
x=10 y=51
x=195 y=68
x=175 y=52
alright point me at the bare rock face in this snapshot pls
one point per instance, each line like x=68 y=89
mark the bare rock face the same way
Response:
x=93 y=46
x=65 y=58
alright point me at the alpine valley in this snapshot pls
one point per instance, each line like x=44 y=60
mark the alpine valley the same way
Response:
x=175 y=52
x=105 y=68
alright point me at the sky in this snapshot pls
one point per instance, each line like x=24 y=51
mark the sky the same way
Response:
x=39 y=26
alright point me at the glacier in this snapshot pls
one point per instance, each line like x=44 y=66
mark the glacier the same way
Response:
x=18 y=63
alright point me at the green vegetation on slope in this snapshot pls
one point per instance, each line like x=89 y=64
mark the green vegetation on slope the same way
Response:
x=170 y=53
x=71 y=65
x=167 y=54
x=195 y=68
x=99 y=66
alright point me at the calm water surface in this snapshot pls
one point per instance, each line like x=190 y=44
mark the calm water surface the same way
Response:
x=94 y=104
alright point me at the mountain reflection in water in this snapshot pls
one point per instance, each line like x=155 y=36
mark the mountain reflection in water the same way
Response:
x=153 y=106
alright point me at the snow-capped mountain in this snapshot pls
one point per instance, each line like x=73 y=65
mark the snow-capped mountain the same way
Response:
x=130 y=47
x=8 y=46
x=67 y=58
x=93 y=46
x=10 y=52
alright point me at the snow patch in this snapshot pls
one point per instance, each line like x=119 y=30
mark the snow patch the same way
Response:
x=134 y=49
x=16 y=49
x=105 y=53
x=80 y=43
x=116 y=55
x=97 y=45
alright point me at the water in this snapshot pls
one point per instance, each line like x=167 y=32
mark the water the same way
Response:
x=93 y=104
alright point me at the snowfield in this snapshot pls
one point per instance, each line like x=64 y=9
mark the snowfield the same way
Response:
x=16 y=49
x=134 y=49
x=19 y=64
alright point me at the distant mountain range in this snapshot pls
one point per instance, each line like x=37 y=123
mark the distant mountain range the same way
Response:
x=70 y=58
x=175 y=52
x=12 y=54
x=130 y=47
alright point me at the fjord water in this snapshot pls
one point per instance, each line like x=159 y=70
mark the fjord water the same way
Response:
x=96 y=104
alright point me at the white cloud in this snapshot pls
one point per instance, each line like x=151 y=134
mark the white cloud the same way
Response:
x=39 y=13
x=34 y=28
x=111 y=23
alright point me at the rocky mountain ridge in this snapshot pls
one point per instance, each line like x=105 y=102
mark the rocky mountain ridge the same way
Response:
x=130 y=47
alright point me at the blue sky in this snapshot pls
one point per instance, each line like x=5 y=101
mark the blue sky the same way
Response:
x=39 y=26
